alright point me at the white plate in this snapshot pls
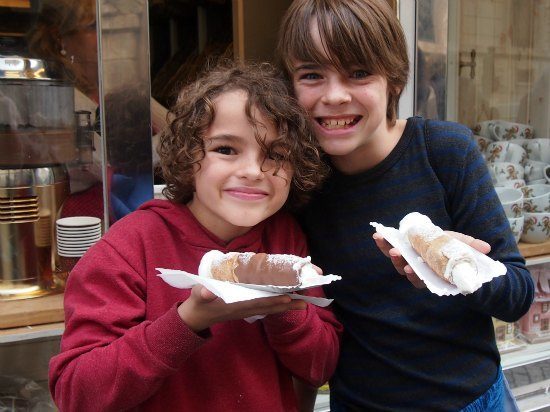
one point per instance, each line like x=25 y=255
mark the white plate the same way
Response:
x=78 y=239
x=79 y=234
x=75 y=245
x=73 y=228
x=78 y=221
x=73 y=248
x=70 y=254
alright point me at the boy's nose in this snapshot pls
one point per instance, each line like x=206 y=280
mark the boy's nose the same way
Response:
x=336 y=93
x=251 y=168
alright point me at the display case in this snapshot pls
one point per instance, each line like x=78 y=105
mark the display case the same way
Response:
x=75 y=155
x=75 y=133
x=486 y=64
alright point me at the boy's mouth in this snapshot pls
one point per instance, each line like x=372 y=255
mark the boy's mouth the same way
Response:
x=338 y=122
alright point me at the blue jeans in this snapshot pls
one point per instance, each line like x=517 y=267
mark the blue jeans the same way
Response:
x=498 y=398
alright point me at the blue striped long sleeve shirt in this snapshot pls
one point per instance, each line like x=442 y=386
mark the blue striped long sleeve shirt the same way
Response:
x=406 y=348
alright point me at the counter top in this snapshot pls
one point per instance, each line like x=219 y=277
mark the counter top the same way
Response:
x=33 y=311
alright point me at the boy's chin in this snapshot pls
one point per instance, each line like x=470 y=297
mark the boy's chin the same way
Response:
x=249 y=220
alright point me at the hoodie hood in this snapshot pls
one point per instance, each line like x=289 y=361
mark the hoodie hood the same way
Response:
x=179 y=217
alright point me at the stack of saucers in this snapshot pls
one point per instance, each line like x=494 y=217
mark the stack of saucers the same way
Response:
x=76 y=234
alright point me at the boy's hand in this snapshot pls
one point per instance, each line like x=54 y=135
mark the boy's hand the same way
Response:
x=202 y=309
x=403 y=267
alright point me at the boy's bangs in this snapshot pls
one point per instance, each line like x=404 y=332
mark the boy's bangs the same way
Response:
x=337 y=38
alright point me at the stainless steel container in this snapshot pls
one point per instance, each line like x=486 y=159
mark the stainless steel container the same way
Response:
x=37 y=125
x=29 y=203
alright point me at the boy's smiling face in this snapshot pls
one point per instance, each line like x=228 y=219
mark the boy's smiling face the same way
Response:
x=235 y=188
x=348 y=109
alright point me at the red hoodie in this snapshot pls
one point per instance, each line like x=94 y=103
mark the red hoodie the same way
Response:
x=125 y=347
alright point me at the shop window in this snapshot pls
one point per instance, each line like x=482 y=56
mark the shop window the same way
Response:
x=544 y=324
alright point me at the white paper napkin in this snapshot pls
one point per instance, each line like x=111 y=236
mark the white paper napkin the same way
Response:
x=487 y=267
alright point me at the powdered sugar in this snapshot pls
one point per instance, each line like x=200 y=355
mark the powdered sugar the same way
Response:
x=282 y=260
x=487 y=268
x=245 y=257
x=418 y=224
x=456 y=249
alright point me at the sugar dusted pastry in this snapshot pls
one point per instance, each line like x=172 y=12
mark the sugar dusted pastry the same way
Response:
x=256 y=268
x=448 y=257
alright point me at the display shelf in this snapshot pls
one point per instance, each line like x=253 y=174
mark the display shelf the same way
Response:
x=32 y=311
x=31 y=333
x=537 y=260
x=538 y=402
x=535 y=250
x=31 y=319
x=531 y=353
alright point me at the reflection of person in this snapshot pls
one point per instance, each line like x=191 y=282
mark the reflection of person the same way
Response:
x=426 y=99
x=65 y=34
x=238 y=149
x=403 y=348
x=129 y=150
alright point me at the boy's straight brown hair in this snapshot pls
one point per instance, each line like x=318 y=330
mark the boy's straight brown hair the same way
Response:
x=354 y=33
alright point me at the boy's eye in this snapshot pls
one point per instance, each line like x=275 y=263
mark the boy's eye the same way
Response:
x=310 y=76
x=359 y=74
x=224 y=150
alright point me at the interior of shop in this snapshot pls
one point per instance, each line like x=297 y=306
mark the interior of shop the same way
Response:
x=84 y=91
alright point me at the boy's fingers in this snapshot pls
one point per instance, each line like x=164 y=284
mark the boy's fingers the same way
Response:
x=382 y=244
x=399 y=263
x=414 y=279
x=477 y=244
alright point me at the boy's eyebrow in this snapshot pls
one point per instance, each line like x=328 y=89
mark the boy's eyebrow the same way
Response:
x=223 y=136
x=307 y=66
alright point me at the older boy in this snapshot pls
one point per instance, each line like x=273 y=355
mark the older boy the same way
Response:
x=404 y=348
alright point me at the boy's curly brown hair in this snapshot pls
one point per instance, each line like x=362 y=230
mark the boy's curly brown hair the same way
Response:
x=181 y=144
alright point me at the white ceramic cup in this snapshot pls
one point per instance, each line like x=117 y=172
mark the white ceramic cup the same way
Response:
x=483 y=128
x=514 y=183
x=505 y=152
x=506 y=171
x=536 y=227
x=511 y=200
x=538 y=149
x=505 y=130
x=516 y=224
x=535 y=170
x=482 y=142
x=536 y=198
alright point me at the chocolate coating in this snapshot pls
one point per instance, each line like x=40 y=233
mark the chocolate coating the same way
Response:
x=263 y=269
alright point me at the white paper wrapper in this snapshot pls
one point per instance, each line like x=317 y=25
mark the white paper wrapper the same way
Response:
x=487 y=267
x=238 y=292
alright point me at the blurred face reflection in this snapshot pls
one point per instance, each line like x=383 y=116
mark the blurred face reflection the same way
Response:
x=81 y=48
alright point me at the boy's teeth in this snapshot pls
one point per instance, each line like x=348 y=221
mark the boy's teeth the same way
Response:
x=336 y=123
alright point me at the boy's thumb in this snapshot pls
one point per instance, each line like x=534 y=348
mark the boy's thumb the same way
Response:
x=206 y=295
